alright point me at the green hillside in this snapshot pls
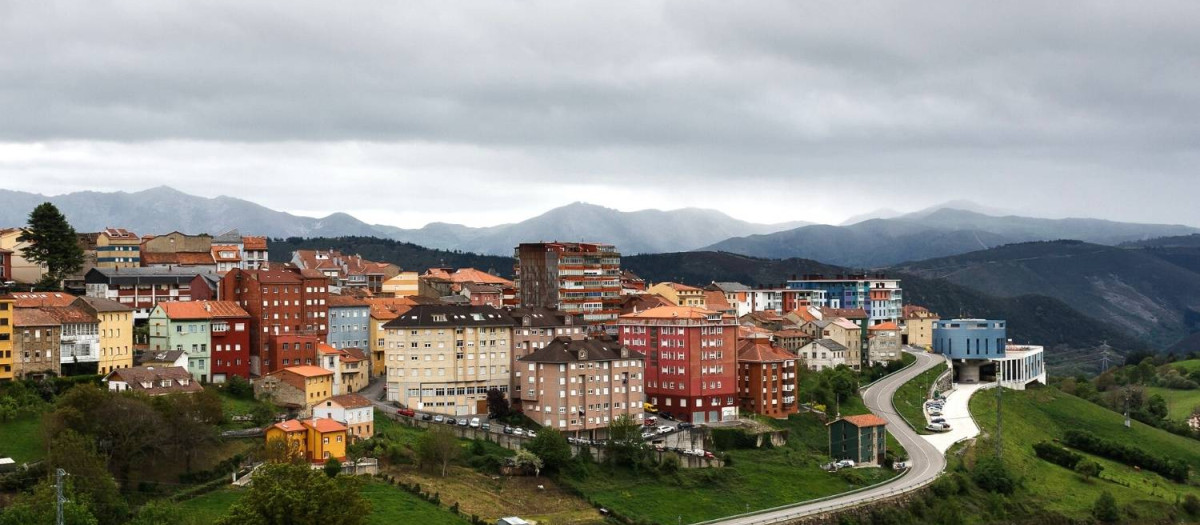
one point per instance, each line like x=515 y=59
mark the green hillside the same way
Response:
x=1179 y=402
x=1044 y=414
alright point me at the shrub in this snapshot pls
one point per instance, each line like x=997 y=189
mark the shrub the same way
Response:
x=732 y=439
x=991 y=475
x=1105 y=509
x=1086 y=441
x=669 y=464
x=1057 y=455
x=1191 y=504
x=1089 y=469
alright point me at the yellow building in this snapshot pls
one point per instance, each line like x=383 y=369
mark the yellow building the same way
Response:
x=314 y=382
x=23 y=270
x=118 y=248
x=6 y=338
x=680 y=294
x=317 y=440
x=916 y=326
x=406 y=284
x=116 y=332
x=382 y=311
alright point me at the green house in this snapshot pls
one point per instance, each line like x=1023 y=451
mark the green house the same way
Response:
x=862 y=439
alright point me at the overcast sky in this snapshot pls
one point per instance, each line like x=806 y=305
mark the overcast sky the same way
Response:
x=478 y=113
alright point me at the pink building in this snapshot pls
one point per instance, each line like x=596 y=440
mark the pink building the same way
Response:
x=580 y=386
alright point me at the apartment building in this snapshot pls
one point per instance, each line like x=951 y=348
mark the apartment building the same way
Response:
x=346 y=270
x=766 y=378
x=7 y=365
x=883 y=343
x=825 y=353
x=143 y=288
x=349 y=322
x=680 y=294
x=116 y=332
x=281 y=302
x=352 y=410
x=581 y=279
x=580 y=385
x=536 y=327
x=118 y=248
x=916 y=326
x=444 y=358
x=36 y=335
x=881 y=297
x=691 y=360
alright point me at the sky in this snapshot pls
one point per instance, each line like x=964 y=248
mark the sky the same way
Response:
x=487 y=112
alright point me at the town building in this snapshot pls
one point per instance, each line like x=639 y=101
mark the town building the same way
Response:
x=249 y=253
x=715 y=301
x=842 y=331
x=791 y=339
x=443 y=358
x=483 y=294
x=297 y=388
x=163 y=358
x=631 y=283
x=6 y=270
x=382 y=311
x=883 y=343
x=353 y=411
x=118 y=248
x=215 y=335
x=19 y=269
x=861 y=439
x=580 y=385
x=581 y=279
x=143 y=288
x=880 y=297
x=780 y=299
x=349 y=322
x=916 y=326
x=537 y=327
x=282 y=302
x=177 y=249
x=346 y=270
x=226 y=257
x=766 y=319
x=153 y=381
x=404 y=284
x=691 y=360
x=314 y=440
x=79 y=339
x=349 y=367
x=738 y=296
x=254 y=253
x=640 y=302
x=680 y=294
x=116 y=332
x=36 y=335
x=766 y=378
x=1021 y=366
x=7 y=353
x=824 y=353
x=970 y=344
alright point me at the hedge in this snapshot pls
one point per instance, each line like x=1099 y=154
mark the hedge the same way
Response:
x=1086 y=441
x=1057 y=455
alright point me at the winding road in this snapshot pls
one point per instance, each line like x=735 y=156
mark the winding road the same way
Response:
x=926 y=461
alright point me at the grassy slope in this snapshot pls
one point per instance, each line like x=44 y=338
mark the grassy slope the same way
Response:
x=910 y=398
x=388 y=505
x=1045 y=414
x=757 y=479
x=1179 y=402
x=1189 y=365
x=21 y=440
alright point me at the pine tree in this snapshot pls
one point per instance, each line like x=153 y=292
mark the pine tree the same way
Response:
x=53 y=243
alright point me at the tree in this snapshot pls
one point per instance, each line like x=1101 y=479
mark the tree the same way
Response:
x=991 y=475
x=552 y=447
x=1088 y=469
x=498 y=407
x=625 y=444
x=333 y=467
x=283 y=450
x=53 y=243
x=1156 y=406
x=39 y=507
x=438 y=446
x=285 y=494
x=191 y=421
x=77 y=455
x=524 y=459
x=1105 y=509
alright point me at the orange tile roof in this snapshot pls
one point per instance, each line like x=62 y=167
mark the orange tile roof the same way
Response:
x=912 y=311
x=803 y=314
x=34 y=317
x=326 y=349
x=324 y=425
x=715 y=300
x=668 y=312
x=351 y=401
x=289 y=426
x=72 y=315
x=760 y=350
x=345 y=300
x=884 y=326
x=307 y=371
x=225 y=254
x=38 y=299
x=865 y=420
x=258 y=244
x=848 y=313
x=471 y=275
x=202 y=309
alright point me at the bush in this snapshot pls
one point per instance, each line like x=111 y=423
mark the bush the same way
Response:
x=1057 y=455
x=1089 y=469
x=1191 y=505
x=991 y=475
x=669 y=464
x=1105 y=509
x=732 y=439
x=1086 y=441
x=239 y=388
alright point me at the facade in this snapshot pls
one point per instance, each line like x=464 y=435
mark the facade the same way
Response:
x=254 y=253
x=230 y=331
x=483 y=294
x=680 y=294
x=118 y=248
x=691 y=360
x=143 y=288
x=969 y=344
x=842 y=331
x=581 y=279
x=6 y=266
x=346 y=270
x=791 y=339
x=862 y=439
x=916 y=326
x=307 y=386
x=281 y=302
x=7 y=353
x=580 y=385
x=36 y=335
x=382 y=311
x=883 y=343
x=116 y=332
x=349 y=322
x=21 y=270
x=153 y=381
x=226 y=257
x=766 y=378
x=79 y=339
x=1021 y=366
x=353 y=411
x=350 y=370
x=316 y=440
x=443 y=359
x=880 y=297
x=738 y=296
x=251 y=251
x=824 y=353
x=176 y=326
x=537 y=327
x=404 y=284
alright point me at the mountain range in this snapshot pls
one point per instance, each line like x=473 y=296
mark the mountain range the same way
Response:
x=163 y=209
x=933 y=233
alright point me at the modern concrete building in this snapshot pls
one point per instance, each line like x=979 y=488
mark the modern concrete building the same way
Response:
x=691 y=360
x=1021 y=366
x=881 y=297
x=970 y=344
x=580 y=385
x=444 y=358
x=581 y=279
x=766 y=378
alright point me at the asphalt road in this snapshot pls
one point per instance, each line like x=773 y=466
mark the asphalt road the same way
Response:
x=925 y=459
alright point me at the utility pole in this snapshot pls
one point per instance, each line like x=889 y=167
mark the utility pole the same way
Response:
x=1104 y=356
x=999 y=400
x=58 y=482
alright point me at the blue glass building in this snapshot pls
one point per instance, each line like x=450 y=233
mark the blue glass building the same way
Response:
x=970 y=338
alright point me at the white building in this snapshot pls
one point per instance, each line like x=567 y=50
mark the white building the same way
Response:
x=823 y=353
x=1020 y=366
x=352 y=410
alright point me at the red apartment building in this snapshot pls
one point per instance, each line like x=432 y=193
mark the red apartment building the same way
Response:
x=766 y=378
x=581 y=279
x=230 y=332
x=691 y=360
x=282 y=303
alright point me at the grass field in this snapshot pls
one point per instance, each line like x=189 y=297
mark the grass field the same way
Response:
x=1045 y=414
x=756 y=479
x=910 y=398
x=1189 y=365
x=1179 y=402
x=388 y=505
x=21 y=440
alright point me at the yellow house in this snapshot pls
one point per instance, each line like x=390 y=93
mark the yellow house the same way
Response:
x=680 y=294
x=314 y=382
x=116 y=332
x=317 y=440
x=916 y=326
x=118 y=248
x=6 y=338
x=23 y=270
x=405 y=284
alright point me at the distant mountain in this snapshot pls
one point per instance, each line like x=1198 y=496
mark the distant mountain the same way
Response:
x=1130 y=289
x=163 y=209
x=929 y=234
x=1033 y=318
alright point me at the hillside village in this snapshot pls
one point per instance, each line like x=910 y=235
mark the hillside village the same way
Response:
x=377 y=370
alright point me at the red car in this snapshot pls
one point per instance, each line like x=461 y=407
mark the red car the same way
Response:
x=406 y=412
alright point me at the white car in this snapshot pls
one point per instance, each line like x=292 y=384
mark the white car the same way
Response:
x=647 y=435
x=474 y=422
x=518 y=432
x=845 y=463
x=664 y=429
x=531 y=433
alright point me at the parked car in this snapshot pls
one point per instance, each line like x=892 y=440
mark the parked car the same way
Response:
x=937 y=427
x=486 y=427
x=406 y=412
x=519 y=431
x=708 y=455
x=439 y=419
x=649 y=408
x=426 y=417
x=531 y=433
x=647 y=434
x=664 y=429
x=474 y=422
x=935 y=412
x=451 y=421
x=684 y=425
x=845 y=463
x=667 y=416
x=508 y=429
x=938 y=420
x=650 y=421
x=900 y=465
x=462 y=421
